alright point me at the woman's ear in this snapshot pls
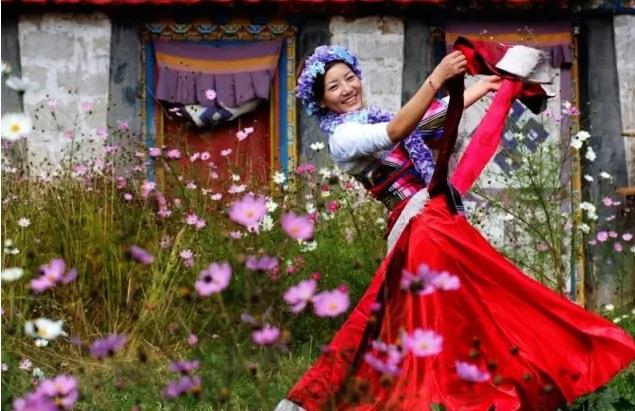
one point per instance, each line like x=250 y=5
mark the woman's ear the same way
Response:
x=321 y=104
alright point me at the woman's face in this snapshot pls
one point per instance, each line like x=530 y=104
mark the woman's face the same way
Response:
x=342 y=90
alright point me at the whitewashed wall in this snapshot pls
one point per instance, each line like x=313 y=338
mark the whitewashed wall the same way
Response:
x=69 y=55
x=378 y=43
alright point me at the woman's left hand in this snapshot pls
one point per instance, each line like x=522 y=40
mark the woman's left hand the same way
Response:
x=491 y=83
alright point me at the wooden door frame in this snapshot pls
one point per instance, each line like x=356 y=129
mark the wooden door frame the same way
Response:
x=282 y=124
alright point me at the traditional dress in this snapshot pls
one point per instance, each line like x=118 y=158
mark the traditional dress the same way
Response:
x=448 y=320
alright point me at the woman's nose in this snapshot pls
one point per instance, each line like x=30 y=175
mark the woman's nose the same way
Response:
x=346 y=88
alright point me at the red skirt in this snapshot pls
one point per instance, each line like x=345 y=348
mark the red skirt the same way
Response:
x=538 y=349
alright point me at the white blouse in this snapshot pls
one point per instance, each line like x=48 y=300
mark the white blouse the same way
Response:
x=353 y=144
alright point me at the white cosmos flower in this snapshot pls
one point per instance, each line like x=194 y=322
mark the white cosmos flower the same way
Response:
x=271 y=206
x=266 y=224
x=582 y=135
x=590 y=154
x=576 y=143
x=16 y=126
x=317 y=146
x=41 y=342
x=235 y=177
x=12 y=274
x=24 y=222
x=21 y=83
x=307 y=246
x=605 y=175
x=325 y=172
x=588 y=177
x=43 y=328
x=609 y=307
x=310 y=208
x=279 y=178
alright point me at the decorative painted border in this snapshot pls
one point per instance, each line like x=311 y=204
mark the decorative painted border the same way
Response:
x=283 y=124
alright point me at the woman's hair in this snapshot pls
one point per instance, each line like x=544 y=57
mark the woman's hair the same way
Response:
x=318 y=85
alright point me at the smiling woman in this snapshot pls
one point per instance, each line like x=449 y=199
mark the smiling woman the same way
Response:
x=340 y=90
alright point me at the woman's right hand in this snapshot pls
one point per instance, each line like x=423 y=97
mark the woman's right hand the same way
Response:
x=453 y=64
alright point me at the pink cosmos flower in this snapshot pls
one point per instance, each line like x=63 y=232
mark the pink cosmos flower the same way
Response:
x=191 y=219
x=332 y=206
x=195 y=157
x=154 y=152
x=52 y=274
x=122 y=125
x=618 y=247
x=248 y=211
x=299 y=295
x=470 y=372
x=264 y=263
x=297 y=227
x=241 y=135
x=236 y=235
x=385 y=359
x=249 y=130
x=173 y=154
x=140 y=255
x=307 y=168
x=86 y=106
x=445 y=281
x=267 y=335
x=186 y=254
x=607 y=201
x=210 y=94
x=192 y=340
x=185 y=385
x=226 y=152
x=330 y=303
x=593 y=242
x=612 y=234
x=627 y=236
x=422 y=343
x=59 y=393
x=147 y=187
x=184 y=367
x=236 y=188
x=216 y=196
x=213 y=279
x=127 y=196
x=205 y=156
x=101 y=132
x=200 y=224
x=602 y=236
x=107 y=347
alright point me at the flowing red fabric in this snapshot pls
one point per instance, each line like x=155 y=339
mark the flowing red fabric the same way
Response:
x=539 y=349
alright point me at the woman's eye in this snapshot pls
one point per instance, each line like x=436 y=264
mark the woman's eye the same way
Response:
x=351 y=78
x=332 y=88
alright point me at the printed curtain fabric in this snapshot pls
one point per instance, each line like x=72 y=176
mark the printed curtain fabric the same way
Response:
x=236 y=72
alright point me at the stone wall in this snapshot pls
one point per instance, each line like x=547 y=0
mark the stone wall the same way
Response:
x=378 y=42
x=624 y=29
x=69 y=55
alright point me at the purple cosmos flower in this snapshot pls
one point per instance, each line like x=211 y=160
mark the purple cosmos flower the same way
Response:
x=56 y=393
x=213 y=279
x=183 y=386
x=297 y=227
x=330 y=303
x=248 y=211
x=51 y=274
x=184 y=367
x=264 y=263
x=299 y=295
x=267 y=335
x=107 y=347
x=470 y=372
x=140 y=255
x=422 y=343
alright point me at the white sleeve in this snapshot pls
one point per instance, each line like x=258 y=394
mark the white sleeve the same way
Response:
x=351 y=140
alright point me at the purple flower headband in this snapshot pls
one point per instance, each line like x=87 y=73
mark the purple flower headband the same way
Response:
x=314 y=66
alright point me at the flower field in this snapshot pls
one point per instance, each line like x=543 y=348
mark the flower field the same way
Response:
x=121 y=292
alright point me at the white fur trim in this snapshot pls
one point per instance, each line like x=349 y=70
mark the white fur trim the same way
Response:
x=527 y=63
x=286 y=405
x=415 y=206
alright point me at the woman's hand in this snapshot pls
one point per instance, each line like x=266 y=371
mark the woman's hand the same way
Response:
x=453 y=64
x=491 y=83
